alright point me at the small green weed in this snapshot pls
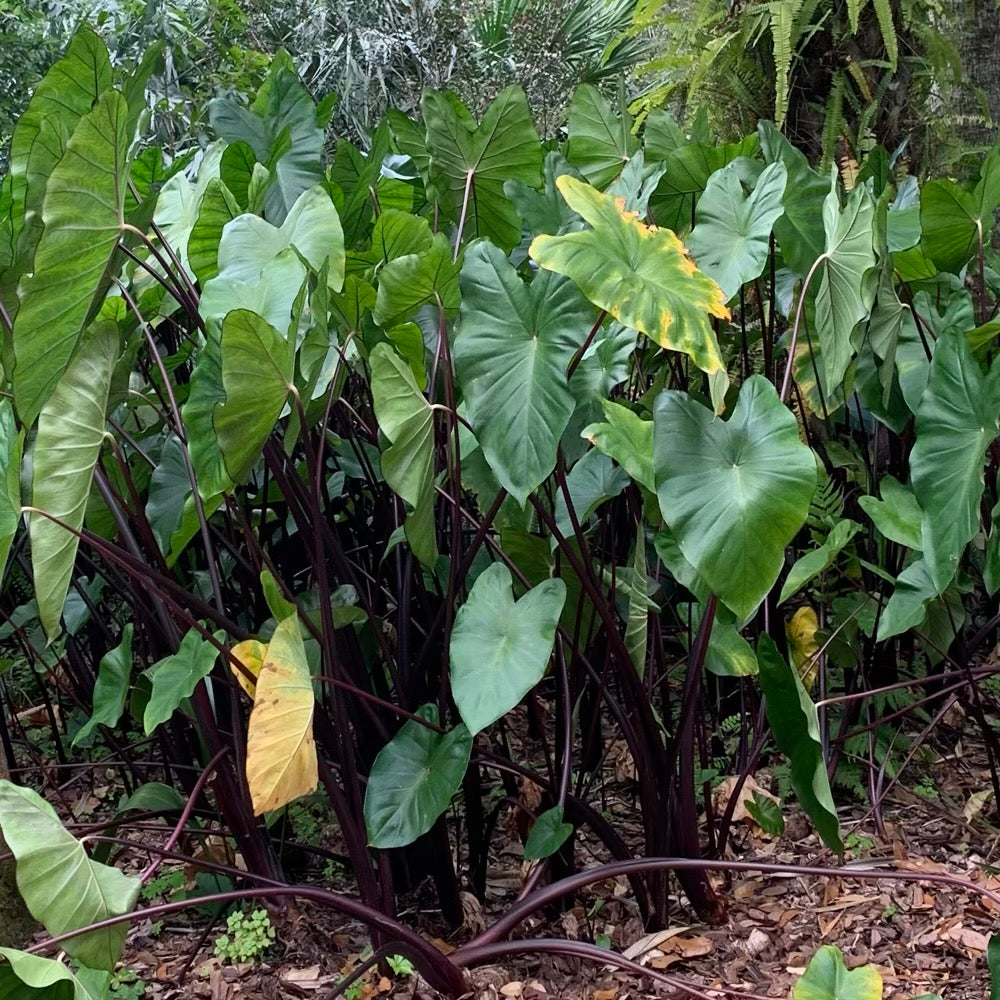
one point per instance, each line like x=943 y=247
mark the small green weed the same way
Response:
x=248 y=937
x=126 y=985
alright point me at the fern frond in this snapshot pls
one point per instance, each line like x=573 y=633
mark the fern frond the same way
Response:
x=833 y=120
x=784 y=18
x=883 y=11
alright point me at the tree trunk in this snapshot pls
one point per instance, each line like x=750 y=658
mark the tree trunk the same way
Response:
x=978 y=28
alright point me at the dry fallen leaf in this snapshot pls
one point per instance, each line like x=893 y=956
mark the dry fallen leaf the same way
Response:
x=724 y=792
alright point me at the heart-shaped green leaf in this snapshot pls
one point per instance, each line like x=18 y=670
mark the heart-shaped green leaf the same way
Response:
x=815 y=562
x=733 y=493
x=512 y=350
x=732 y=230
x=827 y=978
x=175 y=677
x=548 y=833
x=639 y=274
x=62 y=887
x=413 y=779
x=958 y=417
x=600 y=141
x=256 y=377
x=469 y=164
x=953 y=219
x=845 y=295
x=500 y=648
x=897 y=515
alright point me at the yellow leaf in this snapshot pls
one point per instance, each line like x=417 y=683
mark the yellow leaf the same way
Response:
x=250 y=653
x=802 y=644
x=281 y=751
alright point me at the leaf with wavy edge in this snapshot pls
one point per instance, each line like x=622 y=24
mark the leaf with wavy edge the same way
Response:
x=66 y=450
x=640 y=274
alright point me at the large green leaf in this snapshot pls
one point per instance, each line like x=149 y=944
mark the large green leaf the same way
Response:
x=500 y=647
x=795 y=725
x=953 y=219
x=249 y=244
x=907 y=607
x=256 y=376
x=271 y=294
x=733 y=493
x=62 y=97
x=958 y=417
x=413 y=779
x=417 y=279
x=11 y=446
x=111 y=687
x=548 y=833
x=407 y=420
x=686 y=171
x=730 y=241
x=641 y=275
x=827 y=978
x=218 y=207
x=83 y=213
x=600 y=141
x=799 y=230
x=34 y=977
x=175 y=677
x=469 y=164
x=205 y=393
x=592 y=481
x=511 y=353
x=66 y=450
x=62 y=887
x=845 y=295
x=283 y=130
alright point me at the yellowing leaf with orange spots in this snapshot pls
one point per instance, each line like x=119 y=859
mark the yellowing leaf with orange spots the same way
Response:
x=250 y=653
x=640 y=274
x=281 y=751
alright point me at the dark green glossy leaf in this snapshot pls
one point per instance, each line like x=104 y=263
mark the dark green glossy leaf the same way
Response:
x=600 y=141
x=548 y=833
x=413 y=779
x=469 y=165
x=111 y=687
x=795 y=725
x=512 y=350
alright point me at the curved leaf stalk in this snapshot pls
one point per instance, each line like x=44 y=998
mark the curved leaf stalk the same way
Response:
x=787 y=380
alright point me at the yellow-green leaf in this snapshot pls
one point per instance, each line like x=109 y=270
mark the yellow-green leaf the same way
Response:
x=281 y=751
x=640 y=274
x=251 y=653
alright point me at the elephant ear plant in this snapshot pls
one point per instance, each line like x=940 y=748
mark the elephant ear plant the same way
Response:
x=326 y=478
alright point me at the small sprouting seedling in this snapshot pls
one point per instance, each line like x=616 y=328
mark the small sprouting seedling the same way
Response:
x=126 y=985
x=400 y=966
x=355 y=991
x=248 y=939
x=926 y=789
x=165 y=885
x=890 y=911
x=857 y=843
